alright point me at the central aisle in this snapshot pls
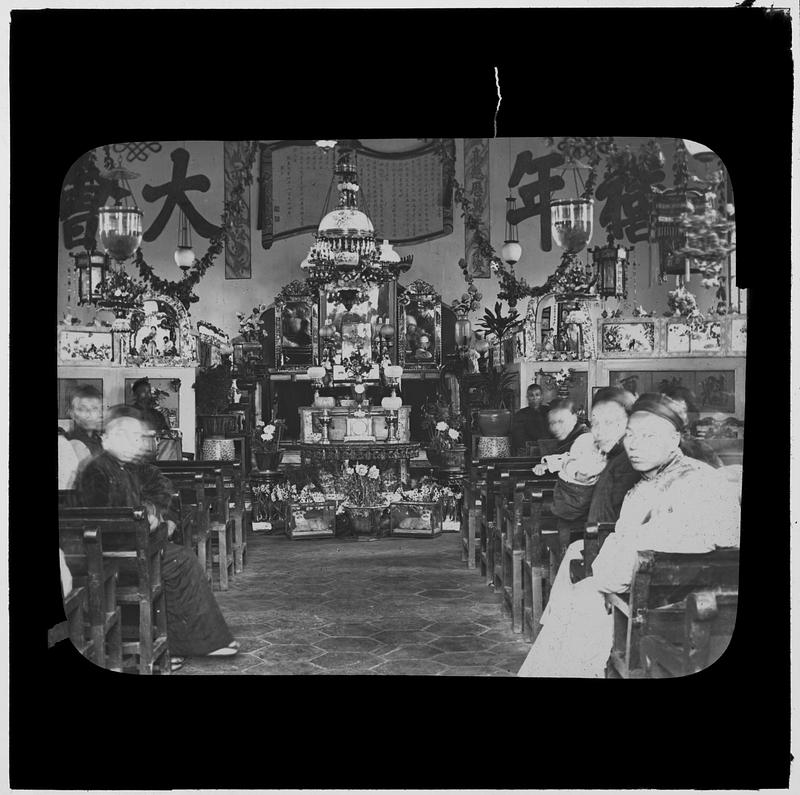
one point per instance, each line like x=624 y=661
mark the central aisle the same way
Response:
x=390 y=606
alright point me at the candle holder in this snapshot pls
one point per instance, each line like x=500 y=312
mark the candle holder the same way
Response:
x=392 y=423
x=316 y=374
x=325 y=420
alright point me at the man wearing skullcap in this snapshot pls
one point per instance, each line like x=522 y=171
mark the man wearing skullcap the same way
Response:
x=143 y=400
x=679 y=505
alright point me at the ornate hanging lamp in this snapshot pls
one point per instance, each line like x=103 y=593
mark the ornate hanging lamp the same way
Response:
x=92 y=268
x=610 y=264
x=184 y=254
x=119 y=225
x=571 y=219
x=512 y=250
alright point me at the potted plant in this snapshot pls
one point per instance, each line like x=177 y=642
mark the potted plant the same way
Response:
x=364 y=501
x=212 y=397
x=443 y=426
x=266 y=441
x=495 y=418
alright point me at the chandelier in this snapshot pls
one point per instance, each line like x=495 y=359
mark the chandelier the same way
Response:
x=572 y=219
x=345 y=251
x=119 y=225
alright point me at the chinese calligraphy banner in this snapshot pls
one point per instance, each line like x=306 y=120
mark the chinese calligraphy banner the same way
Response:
x=407 y=195
x=476 y=182
x=237 y=244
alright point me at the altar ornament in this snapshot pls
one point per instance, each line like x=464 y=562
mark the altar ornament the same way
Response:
x=392 y=373
x=463 y=330
x=119 y=225
x=562 y=380
x=325 y=420
x=316 y=374
x=345 y=249
x=610 y=262
x=512 y=250
x=92 y=268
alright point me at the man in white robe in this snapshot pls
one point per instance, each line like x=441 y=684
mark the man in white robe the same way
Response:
x=679 y=505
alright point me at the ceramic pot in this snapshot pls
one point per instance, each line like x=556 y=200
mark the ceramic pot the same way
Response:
x=269 y=462
x=494 y=422
x=364 y=519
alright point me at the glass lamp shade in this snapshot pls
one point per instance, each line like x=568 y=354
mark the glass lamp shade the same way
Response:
x=327 y=331
x=393 y=371
x=120 y=231
x=184 y=256
x=511 y=253
x=482 y=346
x=571 y=221
x=463 y=330
x=316 y=373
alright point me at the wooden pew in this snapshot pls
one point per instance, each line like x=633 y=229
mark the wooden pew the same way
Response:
x=512 y=543
x=709 y=618
x=225 y=495
x=97 y=577
x=540 y=533
x=657 y=602
x=126 y=539
x=194 y=524
x=76 y=609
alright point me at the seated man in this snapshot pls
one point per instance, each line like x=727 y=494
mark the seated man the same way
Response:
x=565 y=427
x=118 y=477
x=588 y=458
x=530 y=424
x=143 y=400
x=86 y=411
x=679 y=505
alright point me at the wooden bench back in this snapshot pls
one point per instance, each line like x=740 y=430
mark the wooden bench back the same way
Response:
x=662 y=578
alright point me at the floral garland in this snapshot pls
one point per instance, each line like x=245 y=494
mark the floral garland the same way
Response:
x=183 y=290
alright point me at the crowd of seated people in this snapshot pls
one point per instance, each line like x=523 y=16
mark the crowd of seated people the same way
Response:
x=116 y=473
x=660 y=498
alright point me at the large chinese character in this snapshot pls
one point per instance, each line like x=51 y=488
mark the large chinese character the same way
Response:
x=175 y=193
x=629 y=201
x=540 y=189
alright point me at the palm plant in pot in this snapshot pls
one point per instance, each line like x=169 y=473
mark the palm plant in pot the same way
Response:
x=499 y=326
x=496 y=386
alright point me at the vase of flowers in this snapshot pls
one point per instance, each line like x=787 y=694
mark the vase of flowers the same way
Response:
x=363 y=497
x=266 y=445
x=443 y=426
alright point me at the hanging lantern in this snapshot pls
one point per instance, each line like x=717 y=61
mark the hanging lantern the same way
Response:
x=118 y=225
x=463 y=331
x=92 y=268
x=571 y=221
x=184 y=255
x=512 y=250
x=610 y=263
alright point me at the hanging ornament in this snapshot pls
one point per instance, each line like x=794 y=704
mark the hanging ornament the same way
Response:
x=184 y=255
x=512 y=250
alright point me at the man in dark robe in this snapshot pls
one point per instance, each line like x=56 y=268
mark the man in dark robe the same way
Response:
x=565 y=427
x=86 y=411
x=118 y=478
x=530 y=424
x=144 y=402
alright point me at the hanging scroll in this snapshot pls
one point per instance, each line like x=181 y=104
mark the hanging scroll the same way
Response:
x=407 y=195
x=237 y=243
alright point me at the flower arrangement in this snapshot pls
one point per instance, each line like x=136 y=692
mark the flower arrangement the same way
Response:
x=442 y=423
x=471 y=299
x=250 y=325
x=562 y=376
x=357 y=366
x=362 y=486
x=428 y=490
x=265 y=438
x=87 y=351
x=682 y=303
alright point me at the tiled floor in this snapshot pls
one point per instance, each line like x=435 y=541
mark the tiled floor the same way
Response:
x=390 y=606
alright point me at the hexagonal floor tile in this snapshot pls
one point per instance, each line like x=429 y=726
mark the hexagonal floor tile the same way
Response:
x=403 y=637
x=471 y=658
x=409 y=668
x=444 y=593
x=462 y=643
x=347 y=659
x=301 y=635
x=285 y=668
x=470 y=670
x=499 y=635
x=294 y=651
x=409 y=621
x=445 y=628
x=417 y=651
x=347 y=644
x=348 y=628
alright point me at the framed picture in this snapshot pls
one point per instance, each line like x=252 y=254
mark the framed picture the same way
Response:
x=295 y=329
x=737 y=339
x=67 y=388
x=630 y=339
x=682 y=338
x=85 y=345
x=167 y=391
x=420 y=339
